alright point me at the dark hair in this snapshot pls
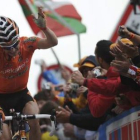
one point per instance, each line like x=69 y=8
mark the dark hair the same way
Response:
x=48 y=107
x=43 y=95
x=103 y=50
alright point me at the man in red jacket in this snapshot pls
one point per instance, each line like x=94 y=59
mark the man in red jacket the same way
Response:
x=103 y=89
x=98 y=102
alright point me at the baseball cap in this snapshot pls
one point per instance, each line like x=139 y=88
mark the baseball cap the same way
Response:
x=124 y=40
x=80 y=62
x=90 y=61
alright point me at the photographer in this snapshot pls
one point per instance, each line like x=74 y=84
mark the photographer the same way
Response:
x=111 y=86
x=129 y=73
x=83 y=118
x=97 y=97
x=75 y=95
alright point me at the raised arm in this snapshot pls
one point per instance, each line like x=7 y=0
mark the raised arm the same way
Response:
x=123 y=32
x=50 y=39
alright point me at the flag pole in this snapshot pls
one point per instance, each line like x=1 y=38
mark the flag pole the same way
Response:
x=62 y=21
x=79 y=46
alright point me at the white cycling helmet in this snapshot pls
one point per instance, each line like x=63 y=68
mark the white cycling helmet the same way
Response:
x=9 y=32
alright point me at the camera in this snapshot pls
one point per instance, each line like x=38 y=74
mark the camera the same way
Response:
x=46 y=86
x=97 y=72
x=57 y=88
x=74 y=86
x=121 y=31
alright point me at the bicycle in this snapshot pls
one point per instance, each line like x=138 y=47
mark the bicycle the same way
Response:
x=20 y=133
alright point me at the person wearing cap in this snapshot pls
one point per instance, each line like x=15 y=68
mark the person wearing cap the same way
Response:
x=130 y=74
x=80 y=62
x=15 y=60
x=132 y=50
x=104 y=58
x=111 y=86
x=99 y=104
x=84 y=119
x=126 y=47
x=120 y=49
x=86 y=64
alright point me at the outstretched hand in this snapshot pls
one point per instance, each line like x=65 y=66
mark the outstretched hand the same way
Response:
x=121 y=66
x=122 y=100
x=117 y=110
x=131 y=50
x=123 y=32
x=117 y=53
x=121 y=62
x=41 y=20
x=65 y=73
x=77 y=77
x=63 y=114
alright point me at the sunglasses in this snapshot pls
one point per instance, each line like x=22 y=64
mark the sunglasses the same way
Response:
x=15 y=45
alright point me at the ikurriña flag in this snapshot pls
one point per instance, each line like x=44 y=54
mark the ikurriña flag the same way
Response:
x=65 y=9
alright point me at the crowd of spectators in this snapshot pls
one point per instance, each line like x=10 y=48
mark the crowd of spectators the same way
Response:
x=104 y=86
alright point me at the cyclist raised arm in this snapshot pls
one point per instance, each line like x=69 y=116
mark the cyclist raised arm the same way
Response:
x=15 y=59
x=50 y=39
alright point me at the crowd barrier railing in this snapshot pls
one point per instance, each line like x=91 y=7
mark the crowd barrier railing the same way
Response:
x=125 y=126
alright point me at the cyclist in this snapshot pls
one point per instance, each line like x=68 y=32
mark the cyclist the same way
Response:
x=15 y=58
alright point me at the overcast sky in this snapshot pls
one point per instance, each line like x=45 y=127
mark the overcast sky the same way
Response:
x=99 y=16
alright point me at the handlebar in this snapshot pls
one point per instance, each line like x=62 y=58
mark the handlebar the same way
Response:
x=29 y=117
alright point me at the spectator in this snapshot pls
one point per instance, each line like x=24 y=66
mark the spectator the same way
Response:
x=42 y=97
x=47 y=109
x=100 y=88
x=84 y=118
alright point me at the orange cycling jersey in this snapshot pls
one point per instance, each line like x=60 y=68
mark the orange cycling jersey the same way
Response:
x=14 y=73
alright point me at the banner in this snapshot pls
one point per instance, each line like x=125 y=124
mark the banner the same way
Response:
x=125 y=126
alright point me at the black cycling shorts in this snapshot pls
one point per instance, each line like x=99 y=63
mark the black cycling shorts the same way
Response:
x=15 y=101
